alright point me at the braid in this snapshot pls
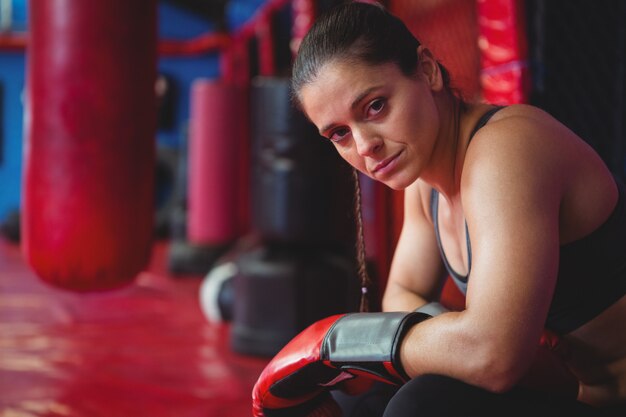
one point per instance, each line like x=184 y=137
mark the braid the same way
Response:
x=360 y=245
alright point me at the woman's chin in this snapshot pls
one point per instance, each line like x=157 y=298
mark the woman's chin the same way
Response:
x=399 y=183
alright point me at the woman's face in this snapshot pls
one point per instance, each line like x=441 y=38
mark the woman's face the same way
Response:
x=382 y=122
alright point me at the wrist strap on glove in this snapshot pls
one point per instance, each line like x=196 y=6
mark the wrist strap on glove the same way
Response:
x=370 y=343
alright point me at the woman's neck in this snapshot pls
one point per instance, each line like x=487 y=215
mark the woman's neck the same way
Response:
x=457 y=120
x=443 y=172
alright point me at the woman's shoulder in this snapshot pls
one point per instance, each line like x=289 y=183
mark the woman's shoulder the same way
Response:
x=525 y=147
x=524 y=133
x=523 y=143
x=523 y=110
x=521 y=119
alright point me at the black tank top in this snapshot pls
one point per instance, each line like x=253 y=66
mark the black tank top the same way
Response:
x=592 y=270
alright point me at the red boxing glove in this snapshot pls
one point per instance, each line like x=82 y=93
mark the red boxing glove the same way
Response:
x=327 y=355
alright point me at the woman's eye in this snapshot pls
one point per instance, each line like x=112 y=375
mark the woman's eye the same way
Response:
x=338 y=134
x=375 y=107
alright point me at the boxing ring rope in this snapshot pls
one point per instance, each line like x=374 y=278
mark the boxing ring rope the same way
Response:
x=202 y=44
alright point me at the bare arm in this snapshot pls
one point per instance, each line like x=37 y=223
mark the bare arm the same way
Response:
x=511 y=200
x=416 y=269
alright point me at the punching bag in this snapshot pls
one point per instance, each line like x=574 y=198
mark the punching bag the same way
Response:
x=215 y=146
x=90 y=121
x=281 y=289
x=302 y=191
x=213 y=175
x=302 y=195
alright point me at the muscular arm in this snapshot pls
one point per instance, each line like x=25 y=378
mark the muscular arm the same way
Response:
x=416 y=270
x=511 y=198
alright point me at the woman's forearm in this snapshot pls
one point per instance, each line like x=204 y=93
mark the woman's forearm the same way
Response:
x=397 y=298
x=451 y=345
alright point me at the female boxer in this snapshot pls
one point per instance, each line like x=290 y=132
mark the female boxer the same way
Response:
x=521 y=212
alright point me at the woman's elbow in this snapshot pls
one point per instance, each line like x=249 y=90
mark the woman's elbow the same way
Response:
x=500 y=372
x=499 y=383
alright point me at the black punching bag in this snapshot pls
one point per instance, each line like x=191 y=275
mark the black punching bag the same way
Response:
x=301 y=188
x=303 y=268
x=280 y=290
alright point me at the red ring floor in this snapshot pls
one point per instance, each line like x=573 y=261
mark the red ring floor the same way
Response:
x=145 y=350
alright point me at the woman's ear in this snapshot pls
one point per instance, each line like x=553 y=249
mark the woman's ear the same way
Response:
x=429 y=68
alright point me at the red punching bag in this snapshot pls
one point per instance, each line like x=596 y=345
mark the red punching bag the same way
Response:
x=215 y=148
x=90 y=122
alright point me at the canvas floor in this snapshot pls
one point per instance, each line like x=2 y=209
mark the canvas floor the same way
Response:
x=145 y=350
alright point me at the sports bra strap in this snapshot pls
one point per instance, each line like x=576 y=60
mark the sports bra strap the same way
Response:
x=459 y=280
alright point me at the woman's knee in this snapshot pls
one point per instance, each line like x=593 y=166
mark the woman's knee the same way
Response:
x=435 y=395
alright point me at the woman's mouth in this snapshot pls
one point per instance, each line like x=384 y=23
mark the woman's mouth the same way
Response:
x=387 y=165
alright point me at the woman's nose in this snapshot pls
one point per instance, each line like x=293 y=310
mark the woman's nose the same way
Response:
x=367 y=143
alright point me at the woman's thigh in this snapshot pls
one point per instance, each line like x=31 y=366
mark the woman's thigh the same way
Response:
x=370 y=404
x=435 y=395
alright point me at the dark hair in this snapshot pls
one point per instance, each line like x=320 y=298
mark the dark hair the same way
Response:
x=360 y=32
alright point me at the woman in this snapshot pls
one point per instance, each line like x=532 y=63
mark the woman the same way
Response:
x=520 y=211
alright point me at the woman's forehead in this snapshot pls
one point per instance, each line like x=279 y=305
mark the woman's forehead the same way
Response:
x=341 y=78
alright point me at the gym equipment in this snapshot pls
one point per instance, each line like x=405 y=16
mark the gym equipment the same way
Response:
x=338 y=350
x=303 y=267
x=300 y=186
x=90 y=121
x=209 y=212
x=215 y=143
x=217 y=294
x=281 y=289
